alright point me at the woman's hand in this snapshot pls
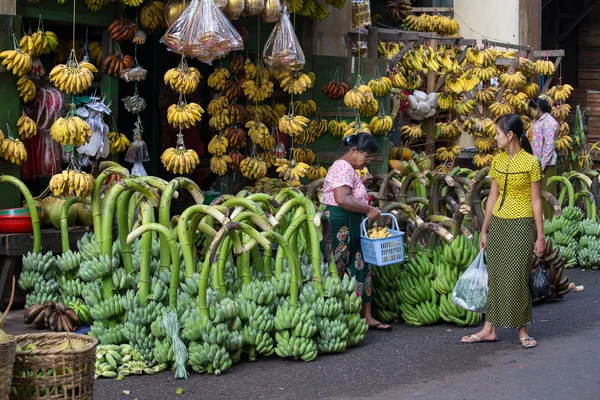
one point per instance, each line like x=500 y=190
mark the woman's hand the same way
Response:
x=539 y=247
x=483 y=241
x=366 y=179
x=373 y=213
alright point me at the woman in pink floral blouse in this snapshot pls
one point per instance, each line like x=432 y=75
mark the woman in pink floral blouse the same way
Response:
x=346 y=200
x=543 y=134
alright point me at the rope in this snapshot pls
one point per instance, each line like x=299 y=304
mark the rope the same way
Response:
x=74 y=6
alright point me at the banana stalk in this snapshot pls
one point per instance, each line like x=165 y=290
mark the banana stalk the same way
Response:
x=384 y=189
x=106 y=170
x=590 y=204
x=292 y=260
x=123 y=203
x=437 y=193
x=267 y=200
x=64 y=225
x=298 y=219
x=147 y=214
x=420 y=181
x=224 y=255
x=35 y=218
x=586 y=182
x=166 y=236
x=232 y=226
x=427 y=226
x=328 y=241
x=566 y=190
x=553 y=201
x=448 y=223
x=221 y=199
x=405 y=208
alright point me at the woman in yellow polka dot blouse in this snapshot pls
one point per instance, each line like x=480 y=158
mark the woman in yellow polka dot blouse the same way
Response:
x=513 y=214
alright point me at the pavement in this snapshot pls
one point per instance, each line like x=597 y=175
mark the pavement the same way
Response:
x=415 y=363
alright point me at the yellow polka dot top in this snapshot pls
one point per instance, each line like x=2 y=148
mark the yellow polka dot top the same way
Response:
x=514 y=180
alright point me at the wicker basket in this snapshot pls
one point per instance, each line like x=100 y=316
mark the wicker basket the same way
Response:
x=7 y=360
x=54 y=370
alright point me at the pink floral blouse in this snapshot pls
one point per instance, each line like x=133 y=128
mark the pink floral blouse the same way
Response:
x=543 y=135
x=340 y=174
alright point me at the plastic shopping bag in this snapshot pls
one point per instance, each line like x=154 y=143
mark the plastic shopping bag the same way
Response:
x=539 y=284
x=471 y=290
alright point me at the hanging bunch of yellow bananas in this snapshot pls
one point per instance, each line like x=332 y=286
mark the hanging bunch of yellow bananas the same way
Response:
x=180 y=160
x=26 y=88
x=71 y=129
x=380 y=125
x=293 y=82
x=486 y=96
x=381 y=87
x=356 y=127
x=564 y=143
x=220 y=120
x=486 y=73
x=253 y=168
x=218 y=145
x=560 y=111
x=441 y=24
x=16 y=61
x=258 y=90
x=369 y=109
x=513 y=81
x=306 y=156
x=13 y=150
x=72 y=183
x=305 y=108
x=293 y=125
x=485 y=144
x=444 y=154
x=470 y=81
x=500 y=108
x=267 y=157
x=95 y=53
x=260 y=135
x=118 y=142
x=388 y=50
x=407 y=80
x=217 y=79
x=560 y=92
x=412 y=132
x=518 y=100
x=526 y=66
x=445 y=101
x=219 y=164
x=184 y=115
x=152 y=16
x=474 y=126
x=358 y=96
x=316 y=128
x=291 y=171
x=40 y=42
x=544 y=67
x=483 y=160
x=464 y=108
x=449 y=130
x=95 y=5
x=563 y=129
x=26 y=126
x=455 y=84
x=183 y=79
x=531 y=89
x=337 y=128
x=316 y=172
x=73 y=77
x=217 y=105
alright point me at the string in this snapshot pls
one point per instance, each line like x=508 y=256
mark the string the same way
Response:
x=74 y=6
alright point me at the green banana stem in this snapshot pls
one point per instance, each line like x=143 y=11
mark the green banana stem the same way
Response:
x=106 y=236
x=590 y=204
x=107 y=171
x=244 y=260
x=192 y=230
x=64 y=223
x=389 y=207
x=221 y=199
x=420 y=185
x=585 y=180
x=243 y=193
x=292 y=260
x=298 y=219
x=427 y=226
x=289 y=192
x=383 y=189
x=131 y=210
x=567 y=189
x=257 y=261
x=123 y=203
x=260 y=222
x=147 y=214
x=166 y=236
x=35 y=218
x=202 y=286
x=241 y=203
x=231 y=226
x=223 y=257
x=265 y=199
x=553 y=201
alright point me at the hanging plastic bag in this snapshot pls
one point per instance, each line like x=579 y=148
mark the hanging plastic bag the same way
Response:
x=361 y=14
x=138 y=151
x=282 y=49
x=539 y=284
x=471 y=290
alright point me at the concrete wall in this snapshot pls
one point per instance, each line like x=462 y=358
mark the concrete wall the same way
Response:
x=8 y=7
x=494 y=19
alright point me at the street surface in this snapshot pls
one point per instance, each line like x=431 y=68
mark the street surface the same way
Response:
x=416 y=363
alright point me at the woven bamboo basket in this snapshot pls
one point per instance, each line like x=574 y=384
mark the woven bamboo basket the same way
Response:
x=7 y=360
x=61 y=366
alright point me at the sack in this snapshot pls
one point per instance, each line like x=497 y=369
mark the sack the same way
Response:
x=471 y=290
x=539 y=283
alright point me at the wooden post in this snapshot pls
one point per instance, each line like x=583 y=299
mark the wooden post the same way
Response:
x=430 y=123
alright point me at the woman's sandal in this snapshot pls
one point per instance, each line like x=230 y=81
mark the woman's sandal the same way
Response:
x=380 y=327
x=477 y=339
x=528 y=342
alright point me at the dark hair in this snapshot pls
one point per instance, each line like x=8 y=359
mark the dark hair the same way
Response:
x=362 y=142
x=512 y=122
x=541 y=104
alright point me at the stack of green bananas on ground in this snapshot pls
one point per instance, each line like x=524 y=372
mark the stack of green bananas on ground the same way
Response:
x=461 y=253
x=37 y=278
x=117 y=361
x=386 y=304
x=89 y=247
x=450 y=312
x=97 y=268
x=357 y=326
x=416 y=289
x=68 y=263
x=564 y=232
x=82 y=310
x=295 y=328
x=255 y=310
x=589 y=244
x=69 y=290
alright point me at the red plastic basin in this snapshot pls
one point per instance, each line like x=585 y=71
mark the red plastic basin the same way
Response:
x=16 y=220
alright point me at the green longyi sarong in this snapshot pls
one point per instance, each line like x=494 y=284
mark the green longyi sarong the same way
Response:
x=347 y=251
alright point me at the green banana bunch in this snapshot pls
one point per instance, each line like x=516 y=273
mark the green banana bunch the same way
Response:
x=282 y=286
x=43 y=287
x=92 y=293
x=35 y=298
x=286 y=318
x=159 y=290
x=589 y=227
x=332 y=286
x=107 y=309
x=209 y=358
x=44 y=264
x=332 y=335
x=572 y=213
x=28 y=279
x=421 y=265
x=386 y=305
x=98 y=268
x=352 y=303
x=450 y=312
x=223 y=311
x=413 y=290
x=142 y=316
x=328 y=308
x=69 y=288
x=260 y=292
x=298 y=347
x=423 y=313
x=445 y=278
x=348 y=284
x=121 y=280
x=357 y=328
x=589 y=258
x=163 y=351
x=89 y=247
x=461 y=253
x=383 y=278
x=194 y=326
x=190 y=285
x=82 y=310
x=69 y=261
x=106 y=334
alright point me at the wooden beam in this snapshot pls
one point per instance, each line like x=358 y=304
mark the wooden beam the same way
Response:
x=577 y=20
x=487 y=42
x=433 y=9
x=442 y=80
x=548 y=53
x=402 y=52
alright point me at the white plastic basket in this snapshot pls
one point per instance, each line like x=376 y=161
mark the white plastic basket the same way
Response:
x=384 y=251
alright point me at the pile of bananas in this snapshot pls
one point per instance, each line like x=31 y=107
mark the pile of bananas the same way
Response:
x=359 y=96
x=180 y=160
x=486 y=73
x=293 y=125
x=337 y=128
x=95 y=53
x=306 y=156
x=417 y=292
x=55 y=316
x=118 y=142
x=269 y=185
x=293 y=82
x=26 y=88
x=253 y=168
x=183 y=79
x=483 y=160
x=464 y=108
x=379 y=233
x=412 y=132
x=16 y=61
x=258 y=90
x=444 y=154
x=316 y=128
x=388 y=50
x=184 y=115
x=386 y=304
x=485 y=144
x=500 y=108
x=72 y=183
x=71 y=129
x=237 y=157
x=445 y=101
x=513 y=81
x=518 y=100
x=114 y=360
x=216 y=106
x=381 y=87
x=217 y=79
x=74 y=78
x=560 y=111
x=219 y=163
x=259 y=134
x=40 y=42
x=13 y=150
x=294 y=331
x=255 y=302
x=544 y=67
x=335 y=89
x=291 y=171
x=152 y=16
x=560 y=92
x=26 y=126
x=369 y=109
x=531 y=89
x=381 y=125
x=449 y=130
